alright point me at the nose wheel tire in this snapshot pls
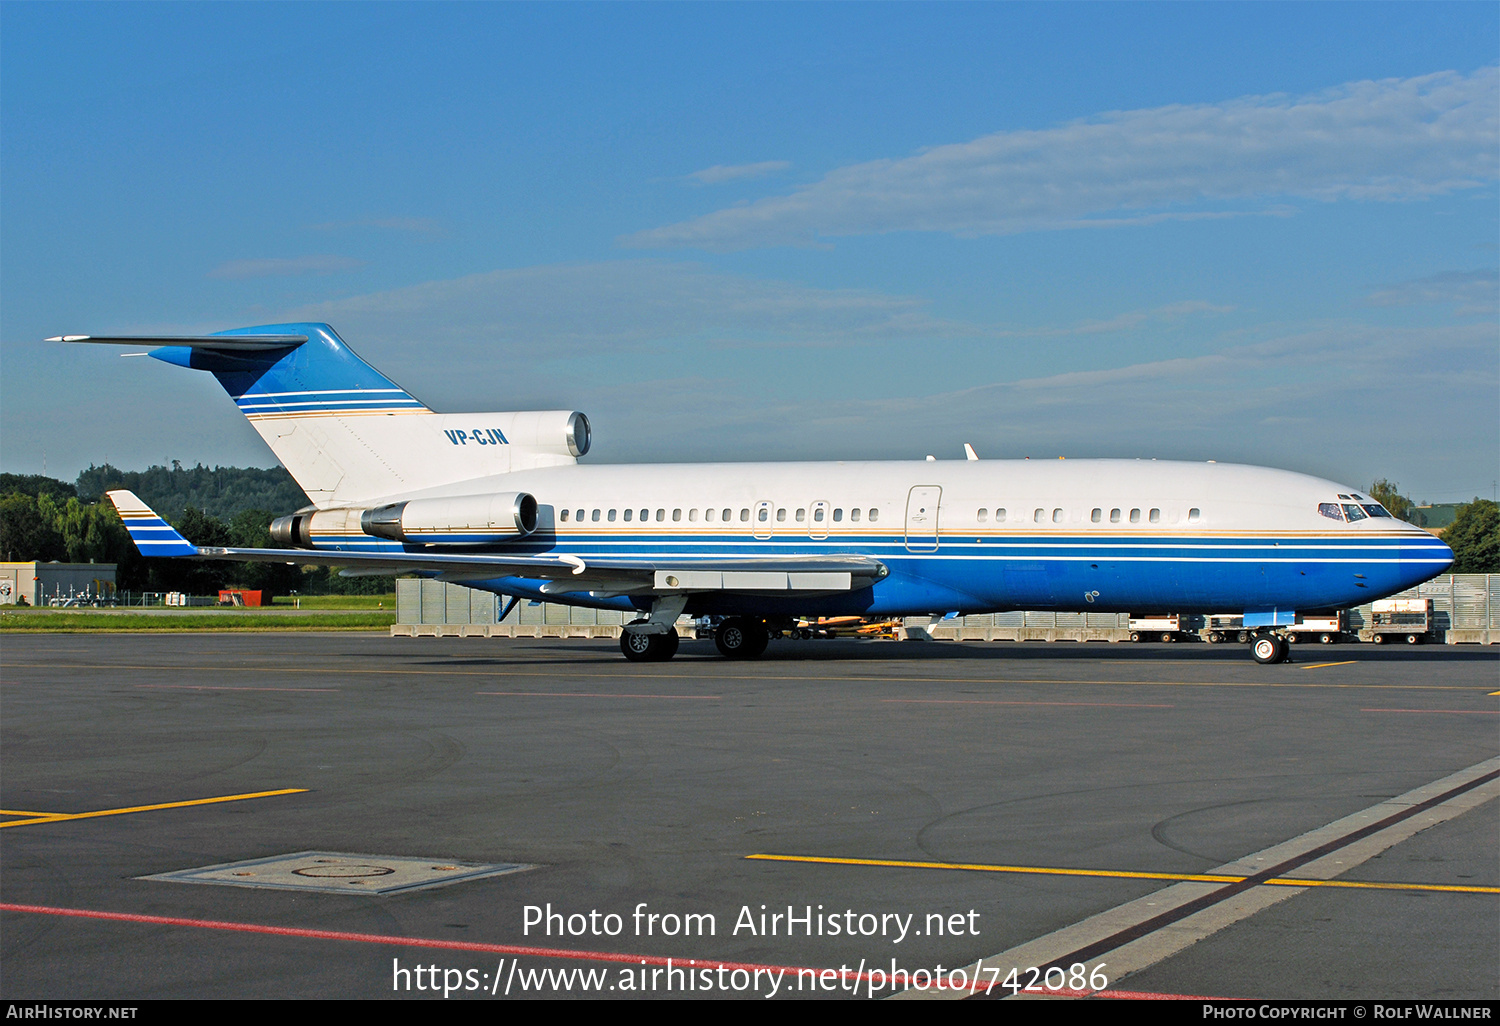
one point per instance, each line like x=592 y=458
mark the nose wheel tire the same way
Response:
x=741 y=638
x=648 y=648
x=1268 y=649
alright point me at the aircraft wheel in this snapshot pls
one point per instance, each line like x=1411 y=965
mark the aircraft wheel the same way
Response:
x=1268 y=649
x=648 y=648
x=740 y=638
x=1414 y=639
x=760 y=637
x=638 y=648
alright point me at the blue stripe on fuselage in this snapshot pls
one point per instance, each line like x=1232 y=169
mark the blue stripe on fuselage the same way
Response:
x=1184 y=574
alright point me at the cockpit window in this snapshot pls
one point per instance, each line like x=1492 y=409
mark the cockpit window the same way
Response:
x=1331 y=510
x=1376 y=511
x=1354 y=513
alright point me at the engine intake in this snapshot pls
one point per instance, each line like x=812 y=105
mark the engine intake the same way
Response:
x=294 y=530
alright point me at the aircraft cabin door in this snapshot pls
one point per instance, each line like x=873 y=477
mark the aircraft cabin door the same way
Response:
x=762 y=527
x=922 y=505
x=817 y=521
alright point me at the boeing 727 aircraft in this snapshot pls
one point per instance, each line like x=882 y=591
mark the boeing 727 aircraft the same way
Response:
x=499 y=502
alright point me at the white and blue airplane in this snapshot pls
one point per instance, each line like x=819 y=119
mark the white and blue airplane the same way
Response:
x=499 y=502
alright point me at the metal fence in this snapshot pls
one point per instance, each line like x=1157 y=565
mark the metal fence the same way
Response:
x=1466 y=610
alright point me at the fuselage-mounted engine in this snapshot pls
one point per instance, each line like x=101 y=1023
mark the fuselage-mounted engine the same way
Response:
x=456 y=520
x=451 y=520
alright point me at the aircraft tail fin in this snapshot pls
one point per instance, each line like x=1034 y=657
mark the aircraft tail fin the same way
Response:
x=152 y=535
x=346 y=432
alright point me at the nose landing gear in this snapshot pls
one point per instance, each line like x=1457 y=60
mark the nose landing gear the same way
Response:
x=1269 y=648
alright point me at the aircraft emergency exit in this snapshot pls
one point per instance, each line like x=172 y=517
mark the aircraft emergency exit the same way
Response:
x=499 y=502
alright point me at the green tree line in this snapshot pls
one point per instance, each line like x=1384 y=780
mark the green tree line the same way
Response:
x=44 y=519
x=223 y=491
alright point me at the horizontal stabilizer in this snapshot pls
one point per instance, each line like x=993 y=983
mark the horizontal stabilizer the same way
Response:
x=151 y=534
x=212 y=343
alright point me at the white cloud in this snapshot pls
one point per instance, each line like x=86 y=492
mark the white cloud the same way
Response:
x=641 y=304
x=1475 y=292
x=645 y=305
x=730 y=172
x=417 y=225
x=235 y=270
x=1396 y=139
x=1352 y=403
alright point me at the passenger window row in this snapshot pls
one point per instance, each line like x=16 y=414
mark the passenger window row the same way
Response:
x=1058 y=515
x=726 y=515
x=764 y=515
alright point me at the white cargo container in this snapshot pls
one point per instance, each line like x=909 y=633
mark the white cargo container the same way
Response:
x=1325 y=627
x=1159 y=626
x=1407 y=619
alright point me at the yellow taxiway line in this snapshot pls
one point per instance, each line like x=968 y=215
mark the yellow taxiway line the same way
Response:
x=57 y=817
x=1125 y=874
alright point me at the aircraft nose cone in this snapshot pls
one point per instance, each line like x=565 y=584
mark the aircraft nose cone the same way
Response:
x=1423 y=557
x=1446 y=553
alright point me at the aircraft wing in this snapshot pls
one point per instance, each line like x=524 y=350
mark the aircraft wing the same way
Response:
x=153 y=536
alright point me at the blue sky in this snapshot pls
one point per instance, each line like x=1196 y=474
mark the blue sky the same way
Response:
x=1264 y=233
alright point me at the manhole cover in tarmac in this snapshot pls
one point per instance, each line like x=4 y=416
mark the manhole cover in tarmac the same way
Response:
x=341 y=873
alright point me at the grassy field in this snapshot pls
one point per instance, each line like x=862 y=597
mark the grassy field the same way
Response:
x=338 y=601
x=278 y=618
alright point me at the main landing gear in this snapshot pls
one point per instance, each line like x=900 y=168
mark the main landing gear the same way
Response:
x=740 y=637
x=648 y=648
x=1269 y=648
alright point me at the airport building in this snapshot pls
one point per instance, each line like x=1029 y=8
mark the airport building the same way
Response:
x=41 y=584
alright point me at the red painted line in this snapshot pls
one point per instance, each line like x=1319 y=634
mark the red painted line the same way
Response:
x=1146 y=995
x=493 y=949
x=583 y=694
x=1126 y=995
x=986 y=701
x=1462 y=712
x=218 y=687
x=412 y=942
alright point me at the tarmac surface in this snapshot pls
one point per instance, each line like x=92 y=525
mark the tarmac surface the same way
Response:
x=1106 y=801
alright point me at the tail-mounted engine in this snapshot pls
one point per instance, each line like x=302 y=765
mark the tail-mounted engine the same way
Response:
x=456 y=520
x=460 y=520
